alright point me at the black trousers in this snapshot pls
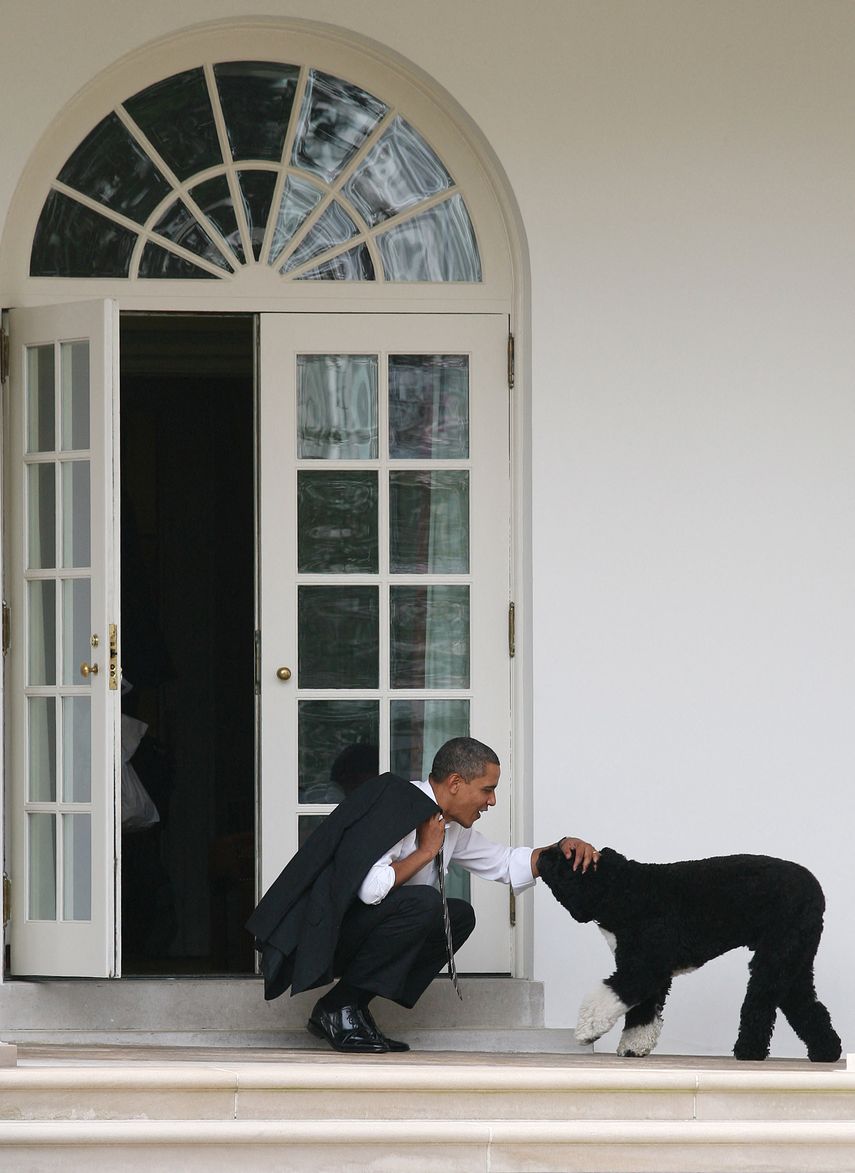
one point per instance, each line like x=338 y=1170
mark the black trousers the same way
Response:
x=397 y=947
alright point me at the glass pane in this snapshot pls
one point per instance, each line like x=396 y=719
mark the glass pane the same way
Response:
x=335 y=120
x=337 y=406
x=76 y=749
x=42 y=745
x=429 y=406
x=76 y=526
x=436 y=245
x=214 y=198
x=256 y=98
x=159 y=262
x=339 y=748
x=74 y=241
x=178 y=225
x=42 y=869
x=306 y=824
x=257 y=189
x=419 y=728
x=41 y=516
x=111 y=167
x=76 y=629
x=400 y=171
x=41 y=598
x=339 y=634
x=74 y=364
x=337 y=522
x=333 y=227
x=176 y=116
x=77 y=867
x=429 y=636
x=299 y=197
x=354 y=265
x=41 y=413
x=429 y=522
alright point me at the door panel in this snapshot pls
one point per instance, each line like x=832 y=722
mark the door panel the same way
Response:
x=385 y=514
x=63 y=682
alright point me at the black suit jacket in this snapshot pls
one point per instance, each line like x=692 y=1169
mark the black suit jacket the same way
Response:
x=296 y=924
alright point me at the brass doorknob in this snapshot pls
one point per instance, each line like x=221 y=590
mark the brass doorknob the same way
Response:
x=87 y=670
x=283 y=673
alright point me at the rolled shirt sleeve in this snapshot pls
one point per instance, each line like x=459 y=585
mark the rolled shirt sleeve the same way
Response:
x=492 y=861
x=380 y=879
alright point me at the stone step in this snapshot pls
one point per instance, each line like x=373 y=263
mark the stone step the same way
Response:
x=398 y=1088
x=148 y=1008
x=435 y=1146
x=508 y=1042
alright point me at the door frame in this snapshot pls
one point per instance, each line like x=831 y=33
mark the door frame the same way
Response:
x=498 y=222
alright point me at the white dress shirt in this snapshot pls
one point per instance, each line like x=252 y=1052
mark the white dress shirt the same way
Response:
x=463 y=845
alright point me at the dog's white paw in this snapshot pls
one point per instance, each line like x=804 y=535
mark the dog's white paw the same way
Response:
x=640 y=1040
x=598 y=1014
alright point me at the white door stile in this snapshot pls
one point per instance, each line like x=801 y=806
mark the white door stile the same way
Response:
x=73 y=781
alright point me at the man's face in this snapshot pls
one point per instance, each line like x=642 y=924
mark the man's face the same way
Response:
x=469 y=800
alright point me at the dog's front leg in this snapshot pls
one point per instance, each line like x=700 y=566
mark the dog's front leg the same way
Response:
x=642 y=1026
x=599 y=1012
x=632 y=983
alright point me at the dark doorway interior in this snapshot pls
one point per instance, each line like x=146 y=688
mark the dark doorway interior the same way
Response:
x=187 y=455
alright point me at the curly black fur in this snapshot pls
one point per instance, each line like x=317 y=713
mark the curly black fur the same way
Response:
x=672 y=917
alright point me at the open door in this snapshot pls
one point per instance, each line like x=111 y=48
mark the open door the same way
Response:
x=385 y=538
x=63 y=684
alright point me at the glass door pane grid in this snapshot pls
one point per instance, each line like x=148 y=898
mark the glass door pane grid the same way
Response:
x=65 y=815
x=385 y=580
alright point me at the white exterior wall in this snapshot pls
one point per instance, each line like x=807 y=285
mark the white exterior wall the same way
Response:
x=685 y=174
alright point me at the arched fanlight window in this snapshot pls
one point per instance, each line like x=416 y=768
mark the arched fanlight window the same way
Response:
x=253 y=162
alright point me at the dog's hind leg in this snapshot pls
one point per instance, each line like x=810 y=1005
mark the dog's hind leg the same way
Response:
x=810 y=1020
x=643 y=1025
x=759 y=1009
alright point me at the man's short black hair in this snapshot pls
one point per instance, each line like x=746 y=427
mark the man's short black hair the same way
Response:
x=464 y=756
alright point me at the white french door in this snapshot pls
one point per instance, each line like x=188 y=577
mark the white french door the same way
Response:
x=63 y=682
x=384 y=486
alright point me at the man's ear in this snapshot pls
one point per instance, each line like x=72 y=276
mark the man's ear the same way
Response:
x=453 y=782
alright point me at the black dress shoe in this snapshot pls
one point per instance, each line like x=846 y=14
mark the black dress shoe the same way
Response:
x=346 y=1030
x=391 y=1044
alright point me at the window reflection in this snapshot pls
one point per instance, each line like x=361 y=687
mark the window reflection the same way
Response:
x=337 y=406
x=333 y=227
x=429 y=522
x=165 y=142
x=339 y=636
x=437 y=245
x=429 y=636
x=338 y=747
x=256 y=99
x=429 y=406
x=399 y=172
x=335 y=120
x=337 y=522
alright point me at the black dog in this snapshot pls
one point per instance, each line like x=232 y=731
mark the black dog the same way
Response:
x=665 y=919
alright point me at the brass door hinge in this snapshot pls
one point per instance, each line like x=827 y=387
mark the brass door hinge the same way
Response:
x=512 y=910
x=7 y=628
x=7 y=900
x=4 y=356
x=512 y=365
x=512 y=630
